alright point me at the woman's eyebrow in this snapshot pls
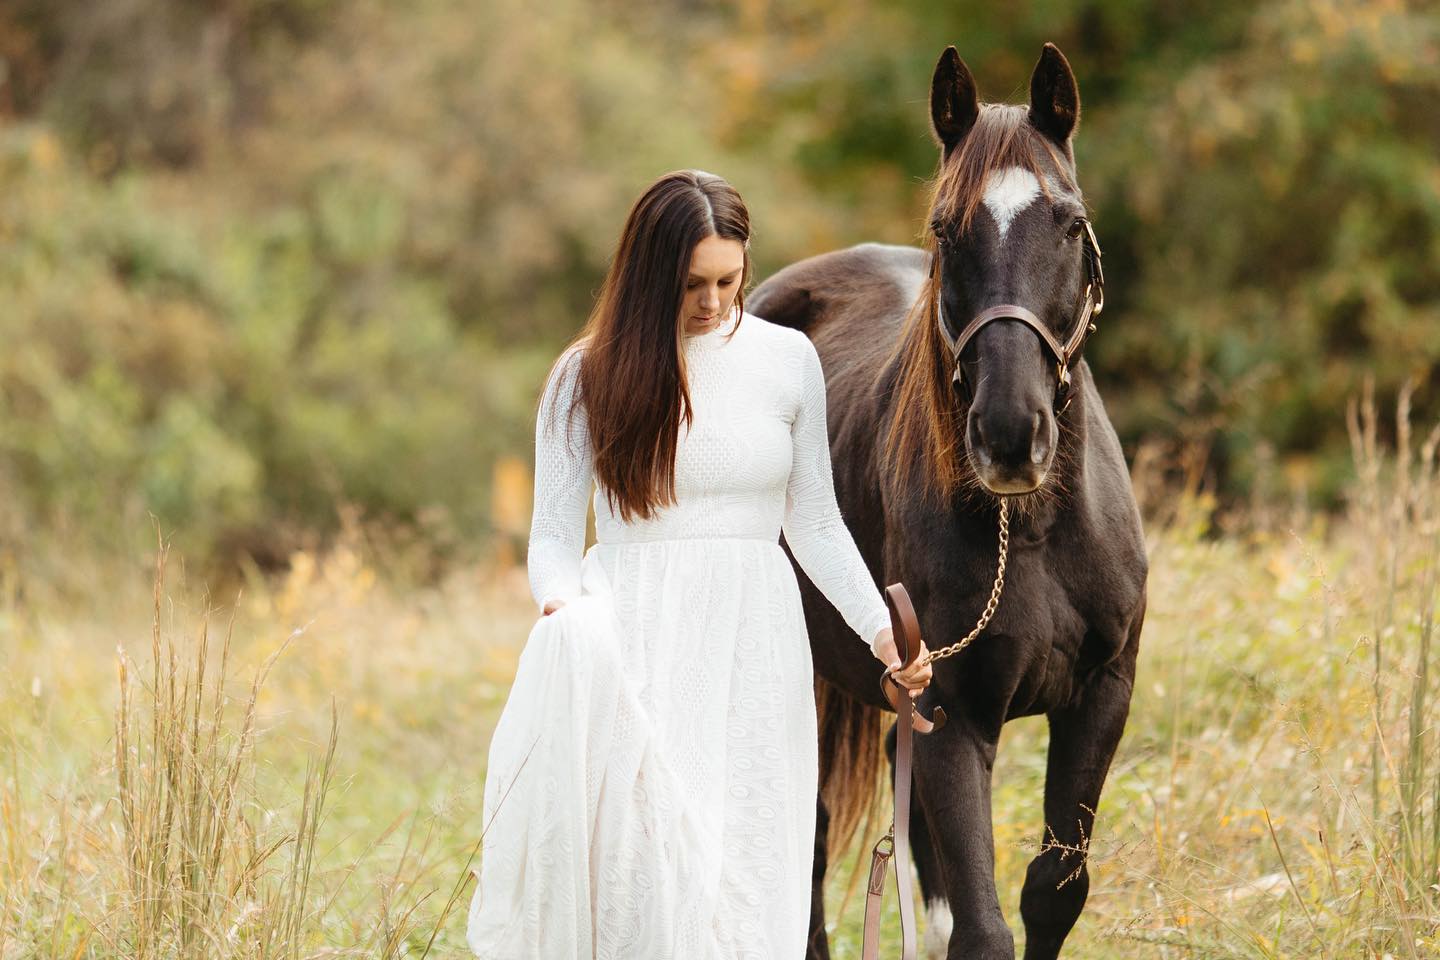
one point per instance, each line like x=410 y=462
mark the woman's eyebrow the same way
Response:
x=696 y=276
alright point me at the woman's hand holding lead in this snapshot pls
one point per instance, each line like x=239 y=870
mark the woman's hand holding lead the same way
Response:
x=915 y=677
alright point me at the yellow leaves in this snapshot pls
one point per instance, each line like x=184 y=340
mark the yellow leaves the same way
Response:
x=1194 y=515
x=510 y=508
x=339 y=579
x=1315 y=850
x=45 y=151
x=1304 y=49
x=1250 y=821
x=510 y=496
x=1290 y=579
x=1231 y=117
x=302 y=572
x=1332 y=26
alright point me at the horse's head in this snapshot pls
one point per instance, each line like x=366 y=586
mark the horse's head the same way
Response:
x=1015 y=278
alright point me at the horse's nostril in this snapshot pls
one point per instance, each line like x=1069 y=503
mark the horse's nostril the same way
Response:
x=1038 y=441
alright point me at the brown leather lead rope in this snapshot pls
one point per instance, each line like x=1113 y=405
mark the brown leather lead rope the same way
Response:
x=908 y=722
x=896 y=842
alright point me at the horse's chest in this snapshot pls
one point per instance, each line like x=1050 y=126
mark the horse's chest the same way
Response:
x=1026 y=658
x=1063 y=610
x=1046 y=622
x=1068 y=626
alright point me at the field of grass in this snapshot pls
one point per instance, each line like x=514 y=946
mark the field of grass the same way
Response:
x=294 y=769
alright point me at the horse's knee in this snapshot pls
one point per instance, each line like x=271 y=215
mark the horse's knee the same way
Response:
x=1052 y=882
x=1051 y=901
x=985 y=937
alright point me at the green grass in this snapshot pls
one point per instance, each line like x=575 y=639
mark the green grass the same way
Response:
x=306 y=781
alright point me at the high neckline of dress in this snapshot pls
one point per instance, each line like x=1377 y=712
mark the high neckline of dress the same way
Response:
x=714 y=336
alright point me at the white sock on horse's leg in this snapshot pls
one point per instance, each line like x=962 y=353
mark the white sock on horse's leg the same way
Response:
x=938 y=924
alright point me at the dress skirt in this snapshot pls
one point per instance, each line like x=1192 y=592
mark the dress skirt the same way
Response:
x=650 y=792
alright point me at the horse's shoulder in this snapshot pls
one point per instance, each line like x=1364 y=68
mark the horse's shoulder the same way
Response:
x=868 y=256
x=887 y=251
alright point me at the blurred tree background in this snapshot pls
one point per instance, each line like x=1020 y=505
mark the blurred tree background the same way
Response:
x=260 y=258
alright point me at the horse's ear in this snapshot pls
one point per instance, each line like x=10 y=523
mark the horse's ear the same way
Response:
x=1054 y=97
x=953 y=101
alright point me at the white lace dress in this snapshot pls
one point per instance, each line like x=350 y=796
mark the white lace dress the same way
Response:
x=651 y=784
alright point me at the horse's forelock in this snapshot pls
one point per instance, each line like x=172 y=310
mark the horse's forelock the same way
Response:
x=1002 y=138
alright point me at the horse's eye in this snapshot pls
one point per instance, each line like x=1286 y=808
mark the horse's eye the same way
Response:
x=1076 y=229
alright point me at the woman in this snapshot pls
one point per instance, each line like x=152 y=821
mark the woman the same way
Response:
x=652 y=778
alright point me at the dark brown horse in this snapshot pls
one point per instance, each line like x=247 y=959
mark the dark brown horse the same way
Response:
x=954 y=381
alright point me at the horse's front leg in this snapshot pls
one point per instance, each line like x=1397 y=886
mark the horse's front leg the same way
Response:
x=952 y=777
x=1083 y=738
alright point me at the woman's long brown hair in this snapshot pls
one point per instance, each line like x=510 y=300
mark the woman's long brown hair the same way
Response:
x=632 y=383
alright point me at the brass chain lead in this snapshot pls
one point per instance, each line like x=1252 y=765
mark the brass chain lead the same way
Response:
x=994 y=601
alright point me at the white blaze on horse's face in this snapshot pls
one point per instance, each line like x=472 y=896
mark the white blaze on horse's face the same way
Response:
x=1007 y=192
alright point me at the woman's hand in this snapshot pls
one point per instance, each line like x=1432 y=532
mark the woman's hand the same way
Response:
x=551 y=606
x=915 y=677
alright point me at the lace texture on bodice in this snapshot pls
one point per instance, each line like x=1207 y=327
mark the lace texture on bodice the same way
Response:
x=754 y=460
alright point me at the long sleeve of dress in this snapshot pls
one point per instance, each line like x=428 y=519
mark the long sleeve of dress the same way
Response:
x=564 y=476
x=813 y=526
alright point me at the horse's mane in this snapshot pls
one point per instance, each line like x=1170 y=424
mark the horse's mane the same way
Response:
x=926 y=423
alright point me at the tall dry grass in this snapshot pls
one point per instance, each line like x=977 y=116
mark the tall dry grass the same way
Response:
x=306 y=783
x=1277 y=794
x=200 y=878
x=155 y=805
x=1398 y=505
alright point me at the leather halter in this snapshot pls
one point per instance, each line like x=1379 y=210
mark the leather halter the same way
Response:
x=1092 y=302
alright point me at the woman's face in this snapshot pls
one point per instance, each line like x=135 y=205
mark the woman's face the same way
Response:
x=715 y=268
